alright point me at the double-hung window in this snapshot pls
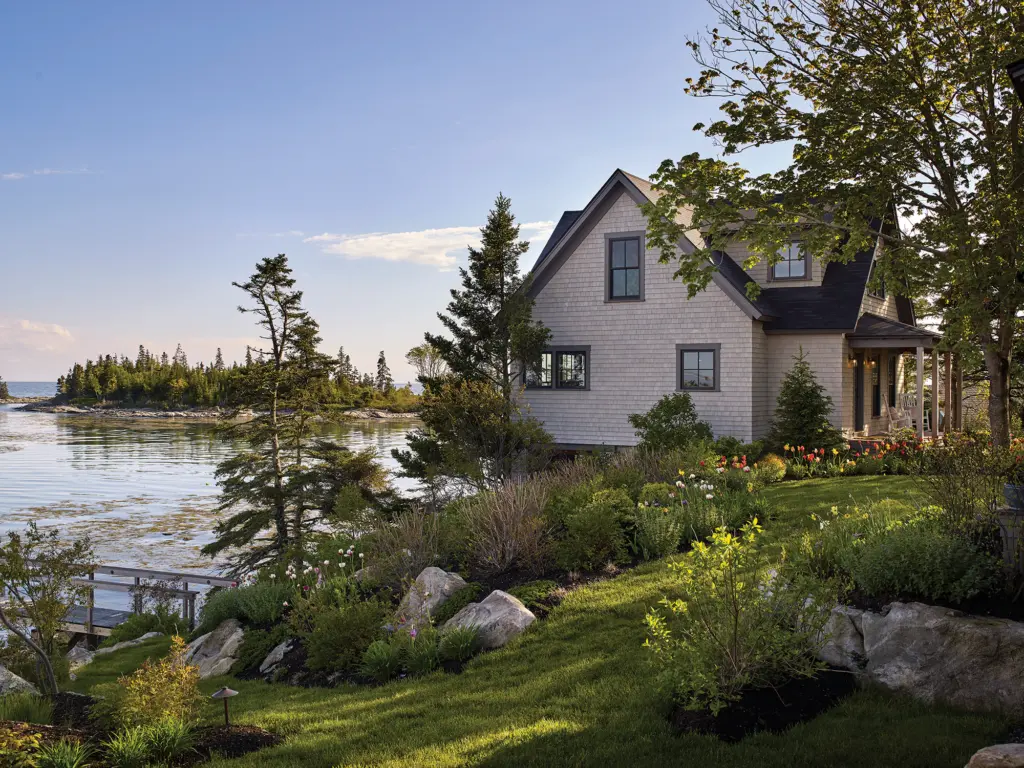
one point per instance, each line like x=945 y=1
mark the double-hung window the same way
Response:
x=698 y=366
x=561 y=368
x=792 y=264
x=876 y=285
x=625 y=268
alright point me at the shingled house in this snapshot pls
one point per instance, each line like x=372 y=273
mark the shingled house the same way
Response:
x=624 y=333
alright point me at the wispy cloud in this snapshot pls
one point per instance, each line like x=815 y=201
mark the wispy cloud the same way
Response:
x=438 y=248
x=18 y=333
x=18 y=175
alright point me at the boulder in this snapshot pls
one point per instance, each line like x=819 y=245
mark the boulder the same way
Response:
x=499 y=617
x=216 y=651
x=276 y=656
x=999 y=756
x=127 y=643
x=79 y=656
x=11 y=683
x=429 y=592
x=934 y=654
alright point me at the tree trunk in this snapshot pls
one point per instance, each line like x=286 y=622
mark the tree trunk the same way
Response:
x=51 y=679
x=997 y=364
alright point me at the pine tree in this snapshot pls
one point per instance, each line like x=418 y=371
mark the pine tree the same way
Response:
x=141 y=361
x=492 y=335
x=344 y=370
x=4 y=393
x=383 y=382
x=248 y=357
x=164 y=360
x=179 y=359
x=218 y=361
x=803 y=410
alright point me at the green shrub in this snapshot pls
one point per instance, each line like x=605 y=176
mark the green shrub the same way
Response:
x=220 y=605
x=920 y=561
x=507 y=528
x=566 y=500
x=382 y=661
x=128 y=748
x=803 y=410
x=257 y=644
x=594 y=534
x=162 y=620
x=727 y=445
x=339 y=637
x=626 y=477
x=658 y=494
x=457 y=602
x=26 y=708
x=869 y=465
x=63 y=754
x=670 y=424
x=743 y=623
x=421 y=654
x=17 y=747
x=170 y=740
x=757 y=505
x=533 y=593
x=459 y=644
x=769 y=469
x=657 y=531
x=257 y=605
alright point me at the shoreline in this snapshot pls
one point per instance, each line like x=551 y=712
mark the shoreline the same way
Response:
x=46 y=405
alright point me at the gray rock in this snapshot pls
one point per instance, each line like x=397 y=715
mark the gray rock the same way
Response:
x=499 y=618
x=216 y=651
x=127 y=643
x=999 y=756
x=276 y=656
x=11 y=683
x=429 y=592
x=844 y=639
x=79 y=656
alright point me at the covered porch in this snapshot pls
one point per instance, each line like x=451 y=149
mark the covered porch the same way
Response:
x=878 y=342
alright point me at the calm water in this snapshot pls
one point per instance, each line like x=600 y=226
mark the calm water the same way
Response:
x=143 y=489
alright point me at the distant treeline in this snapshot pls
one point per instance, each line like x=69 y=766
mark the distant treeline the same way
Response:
x=170 y=382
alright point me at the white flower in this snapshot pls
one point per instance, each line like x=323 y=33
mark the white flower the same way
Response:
x=710 y=496
x=720 y=470
x=327 y=562
x=679 y=484
x=746 y=469
x=273 y=575
x=361 y=555
x=692 y=476
x=341 y=551
x=285 y=603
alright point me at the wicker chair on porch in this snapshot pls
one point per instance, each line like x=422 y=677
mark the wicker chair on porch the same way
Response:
x=908 y=404
x=898 y=418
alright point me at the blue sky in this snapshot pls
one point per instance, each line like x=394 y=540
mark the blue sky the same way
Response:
x=152 y=153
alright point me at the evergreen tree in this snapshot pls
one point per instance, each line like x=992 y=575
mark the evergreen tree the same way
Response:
x=179 y=358
x=164 y=360
x=474 y=428
x=344 y=370
x=248 y=357
x=383 y=382
x=142 y=361
x=4 y=393
x=803 y=410
x=218 y=361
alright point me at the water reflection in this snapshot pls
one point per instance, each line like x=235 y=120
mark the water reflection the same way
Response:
x=144 y=490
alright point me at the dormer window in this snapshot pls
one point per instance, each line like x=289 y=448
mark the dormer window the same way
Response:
x=794 y=263
x=625 y=266
x=876 y=285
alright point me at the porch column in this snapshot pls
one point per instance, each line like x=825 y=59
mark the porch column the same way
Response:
x=935 y=394
x=947 y=380
x=920 y=392
x=959 y=392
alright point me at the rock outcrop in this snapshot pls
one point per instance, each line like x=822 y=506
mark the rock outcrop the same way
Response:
x=499 y=617
x=126 y=644
x=935 y=654
x=429 y=592
x=999 y=756
x=215 y=652
x=276 y=656
x=11 y=683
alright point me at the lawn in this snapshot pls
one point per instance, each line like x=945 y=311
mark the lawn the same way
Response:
x=576 y=691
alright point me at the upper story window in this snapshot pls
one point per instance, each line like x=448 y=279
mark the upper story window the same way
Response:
x=698 y=366
x=794 y=264
x=625 y=267
x=876 y=289
x=561 y=368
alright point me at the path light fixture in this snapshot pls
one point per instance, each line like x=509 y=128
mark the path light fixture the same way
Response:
x=1016 y=73
x=224 y=693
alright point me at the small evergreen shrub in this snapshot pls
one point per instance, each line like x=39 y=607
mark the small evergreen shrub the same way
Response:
x=566 y=500
x=626 y=477
x=382 y=661
x=533 y=593
x=256 y=605
x=657 y=531
x=459 y=644
x=340 y=636
x=770 y=469
x=802 y=411
x=920 y=561
x=63 y=754
x=457 y=602
x=594 y=534
x=773 y=629
x=26 y=708
x=671 y=423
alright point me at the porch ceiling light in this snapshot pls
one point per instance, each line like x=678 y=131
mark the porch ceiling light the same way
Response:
x=1016 y=73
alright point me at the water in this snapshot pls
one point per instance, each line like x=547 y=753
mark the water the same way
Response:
x=142 y=489
x=31 y=388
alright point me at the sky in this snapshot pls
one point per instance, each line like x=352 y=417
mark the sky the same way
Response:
x=152 y=153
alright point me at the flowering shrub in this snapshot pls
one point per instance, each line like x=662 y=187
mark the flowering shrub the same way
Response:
x=741 y=624
x=824 y=548
x=770 y=469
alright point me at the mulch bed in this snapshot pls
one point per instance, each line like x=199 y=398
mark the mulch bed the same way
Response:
x=49 y=734
x=232 y=741
x=770 y=709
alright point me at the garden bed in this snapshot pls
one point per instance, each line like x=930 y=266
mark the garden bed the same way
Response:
x=770 y=709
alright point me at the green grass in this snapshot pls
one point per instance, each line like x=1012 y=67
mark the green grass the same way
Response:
x=576 y=691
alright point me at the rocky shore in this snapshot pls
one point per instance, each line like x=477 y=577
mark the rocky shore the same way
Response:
x=45 y=405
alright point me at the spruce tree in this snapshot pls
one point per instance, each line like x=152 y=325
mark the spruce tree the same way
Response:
x=492 y=335
x=803 y=410
x=218 y=361
x=4 y=393
x=383 y=382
